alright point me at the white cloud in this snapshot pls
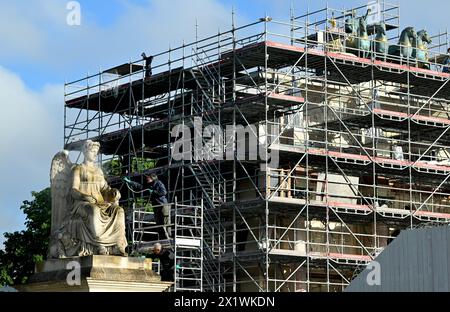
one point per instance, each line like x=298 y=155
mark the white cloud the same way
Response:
x=150 y=26
x=30 y=132
x=35 y=33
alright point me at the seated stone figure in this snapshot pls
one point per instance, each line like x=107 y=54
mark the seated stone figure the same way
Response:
x=86 y=216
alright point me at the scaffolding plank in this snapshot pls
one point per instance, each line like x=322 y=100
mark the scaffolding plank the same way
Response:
x=124 y=69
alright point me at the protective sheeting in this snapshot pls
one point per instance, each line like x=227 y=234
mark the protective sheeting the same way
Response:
x=417 y=261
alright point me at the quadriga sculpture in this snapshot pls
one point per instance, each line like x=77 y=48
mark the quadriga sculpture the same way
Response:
x=404 y=48
x=363 y=36
x=358 y=43
x=351 y=28
x=86 y=216
x=381 y=44
x=334 y=37
x=420 y=51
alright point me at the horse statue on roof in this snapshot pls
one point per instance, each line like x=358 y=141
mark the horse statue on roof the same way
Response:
x=420 y=48
x=404 y=48
x=351 y=28
x=334 y=38
x=358 y=43
x=380 y=43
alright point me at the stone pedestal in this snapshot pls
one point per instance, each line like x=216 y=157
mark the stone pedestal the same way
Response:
x=95 y=274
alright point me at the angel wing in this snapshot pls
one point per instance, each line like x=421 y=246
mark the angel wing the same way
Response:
x=61 y=184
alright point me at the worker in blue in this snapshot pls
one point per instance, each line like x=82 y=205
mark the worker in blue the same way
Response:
x=158 y=198
x=446 y=63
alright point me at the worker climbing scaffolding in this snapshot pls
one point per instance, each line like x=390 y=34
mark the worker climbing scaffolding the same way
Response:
x=158 y=199
x=166 y=258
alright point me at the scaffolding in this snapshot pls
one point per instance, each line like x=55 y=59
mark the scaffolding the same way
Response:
x=351 y=148
x=186 y=239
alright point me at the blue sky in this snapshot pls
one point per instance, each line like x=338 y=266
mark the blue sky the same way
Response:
x=39 y=52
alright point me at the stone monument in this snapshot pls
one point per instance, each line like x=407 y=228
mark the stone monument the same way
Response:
x=87 y=249
x=86 y=216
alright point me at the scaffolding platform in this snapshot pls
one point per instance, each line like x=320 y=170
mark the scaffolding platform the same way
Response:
x=362 y=144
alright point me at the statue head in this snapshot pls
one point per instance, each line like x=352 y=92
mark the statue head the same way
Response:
x=90 y=150
x=423 y=34
x=411 y=32
x=380 y=29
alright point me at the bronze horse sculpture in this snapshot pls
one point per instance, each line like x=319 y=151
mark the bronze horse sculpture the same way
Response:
x=411 y=45
x=359 y=42
x=420 y=45
x=404 y=48
x=380 y=43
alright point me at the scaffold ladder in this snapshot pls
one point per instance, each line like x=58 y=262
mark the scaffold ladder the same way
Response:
x=186 y=242
x=188 y=247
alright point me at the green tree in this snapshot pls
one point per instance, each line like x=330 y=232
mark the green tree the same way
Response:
x=139 y=164
x=23 y=249
x=112 y=167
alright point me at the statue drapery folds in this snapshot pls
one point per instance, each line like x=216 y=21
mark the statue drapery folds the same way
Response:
x=86 y=216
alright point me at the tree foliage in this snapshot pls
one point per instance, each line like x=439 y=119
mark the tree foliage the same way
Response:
x=117 y=167
x=139 y=164
x=22 y=249
x=112 y=167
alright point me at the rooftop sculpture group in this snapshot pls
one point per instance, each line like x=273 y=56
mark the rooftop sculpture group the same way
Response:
x=412 y=45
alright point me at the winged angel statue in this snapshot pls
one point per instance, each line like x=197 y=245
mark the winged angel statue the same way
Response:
x=86 y=216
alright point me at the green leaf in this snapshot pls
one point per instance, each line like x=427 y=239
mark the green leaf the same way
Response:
x=23 y=249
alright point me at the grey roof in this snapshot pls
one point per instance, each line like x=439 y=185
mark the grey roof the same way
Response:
x=417 y=260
